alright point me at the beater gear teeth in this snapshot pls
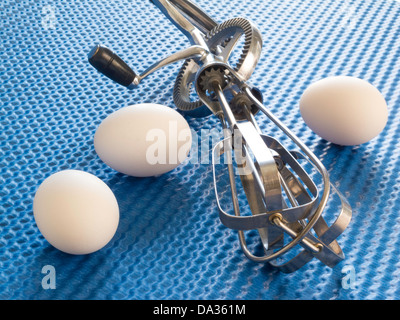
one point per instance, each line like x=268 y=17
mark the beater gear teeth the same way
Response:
x=212 y=76
x=219 y=37
x=224 y=33
x=183 y=86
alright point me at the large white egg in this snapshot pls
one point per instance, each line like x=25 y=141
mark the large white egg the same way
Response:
x=143 y=140
x=344 y=110
x=76 y=212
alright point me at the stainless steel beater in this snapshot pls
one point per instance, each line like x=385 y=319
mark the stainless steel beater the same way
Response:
x=284 y=201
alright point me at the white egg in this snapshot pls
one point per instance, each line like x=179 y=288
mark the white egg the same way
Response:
x=76 y=212
x=143 y=140
x=344 y=110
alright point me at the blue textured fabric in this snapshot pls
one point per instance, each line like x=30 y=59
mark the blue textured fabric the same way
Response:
x=170 y=243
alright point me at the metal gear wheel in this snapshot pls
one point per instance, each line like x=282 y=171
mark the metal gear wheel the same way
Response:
x=221 y=40
x=211 y=76
x=184 y=87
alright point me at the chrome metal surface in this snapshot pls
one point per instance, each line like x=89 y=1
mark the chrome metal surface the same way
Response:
x=195 y=15
x=180 y=21
x=284 y=201
x=221 y=41
x=193 y=52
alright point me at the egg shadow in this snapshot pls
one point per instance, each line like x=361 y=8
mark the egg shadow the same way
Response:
x=71 y=273
x=148 y=207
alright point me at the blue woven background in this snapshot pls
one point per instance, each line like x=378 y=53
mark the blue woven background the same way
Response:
x=170 y=243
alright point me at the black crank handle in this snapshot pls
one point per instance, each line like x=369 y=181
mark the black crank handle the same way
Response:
x=112 y=66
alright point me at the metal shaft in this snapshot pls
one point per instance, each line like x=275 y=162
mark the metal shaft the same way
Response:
x=228 y=114
x=277 y=220
x=194 y=14
x=194 y=35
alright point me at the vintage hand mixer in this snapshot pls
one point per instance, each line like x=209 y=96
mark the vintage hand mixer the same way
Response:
x=284 y=200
